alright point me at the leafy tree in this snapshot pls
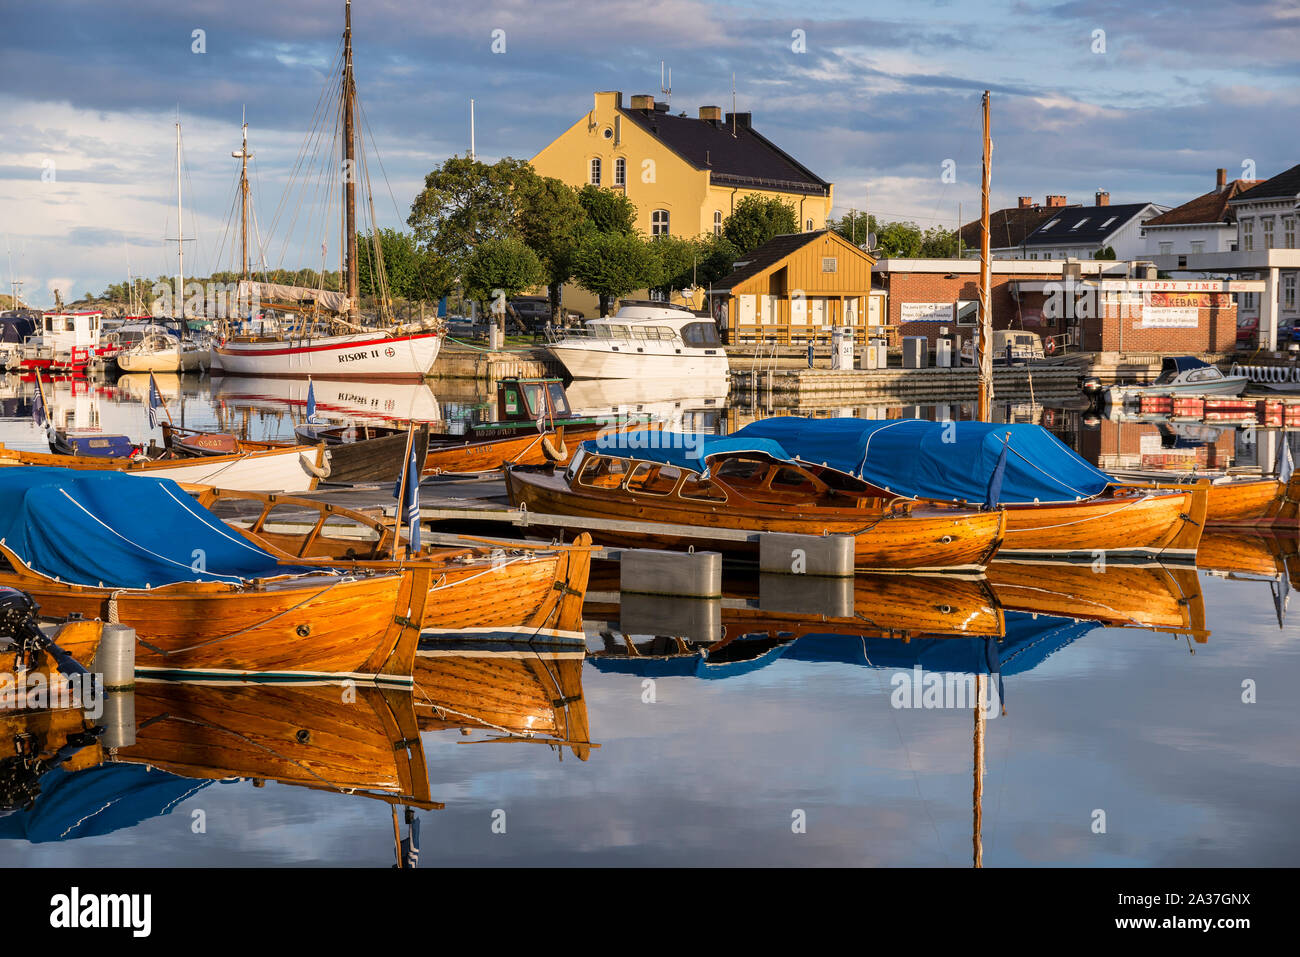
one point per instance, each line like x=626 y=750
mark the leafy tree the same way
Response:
x=717 y=258
x=550 y=220
x=501 y=267
x=611 y=265
x=676 y=263
x=464 y=203
x=900 y=240
x=412 y=272
x=853 y=226
x=608 y=210
x=756 y=219
x=939 y=243
x=1107 y=252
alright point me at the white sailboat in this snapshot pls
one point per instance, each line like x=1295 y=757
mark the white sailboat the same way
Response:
x=325 y=338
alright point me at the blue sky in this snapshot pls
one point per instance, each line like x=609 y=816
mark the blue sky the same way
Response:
x=881 y=96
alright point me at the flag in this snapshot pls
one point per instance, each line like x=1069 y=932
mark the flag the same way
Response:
x=38 y=405
x=155 y=402
x=311 y=403
x=995 y=480
x=1285 y=464
x=409 y=512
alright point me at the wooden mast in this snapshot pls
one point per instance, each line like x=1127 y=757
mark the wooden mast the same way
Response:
x=985 y=343
x=243 y=156
x=349 y=166
x=180 y=232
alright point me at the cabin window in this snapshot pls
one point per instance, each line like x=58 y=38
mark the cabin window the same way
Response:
x=698 y=489
x=559 y=401
x=532 y=397
x=791 y=479
x=701 y=335
x=602 y=472
x=595 y=171
x=653 y=479
x=742 y=469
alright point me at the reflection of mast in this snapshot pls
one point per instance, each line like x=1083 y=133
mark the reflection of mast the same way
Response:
x=977 y=797
x=985 y=351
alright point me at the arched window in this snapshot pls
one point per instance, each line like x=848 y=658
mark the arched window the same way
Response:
x=810 y=225
x=717 y=222
x=620 y=172
x=659 y=222
x=595 y=171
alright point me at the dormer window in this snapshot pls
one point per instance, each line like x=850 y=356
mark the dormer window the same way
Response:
x=1078 y=224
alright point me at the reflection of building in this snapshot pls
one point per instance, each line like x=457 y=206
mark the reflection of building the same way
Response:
x=1125 y=446
x=795 y=288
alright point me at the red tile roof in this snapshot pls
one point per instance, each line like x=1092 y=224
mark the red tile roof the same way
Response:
x=1212 y=207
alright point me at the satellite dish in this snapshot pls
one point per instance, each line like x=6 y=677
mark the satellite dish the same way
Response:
x=871 y=240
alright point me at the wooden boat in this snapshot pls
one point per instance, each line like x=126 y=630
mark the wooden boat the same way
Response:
x=511 y=692
x=487 y=591
x=1259 y=553
x=534 y=425
x=364 y=453
x=201 y=599
x=1253 y=502
x=752 y=494
x=329 y=737
x=1152 y=597
x=291 y=469
x=1057 y=505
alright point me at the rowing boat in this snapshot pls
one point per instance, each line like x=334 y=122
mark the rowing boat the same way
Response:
x=486 y=590
x=202 y=599
x=289 y=469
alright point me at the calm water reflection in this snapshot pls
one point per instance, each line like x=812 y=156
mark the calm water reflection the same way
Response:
x=1123 y=692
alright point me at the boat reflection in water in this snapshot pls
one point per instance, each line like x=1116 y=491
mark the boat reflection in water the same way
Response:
x=358 y=402
x=1256 y=555
x=686 y=405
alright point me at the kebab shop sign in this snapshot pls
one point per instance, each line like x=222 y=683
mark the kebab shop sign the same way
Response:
x=1176 y=310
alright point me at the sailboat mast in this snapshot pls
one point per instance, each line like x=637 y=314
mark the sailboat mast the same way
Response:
x=180 y=231
x=243 y=156
x=985 y=291
x=349 y=165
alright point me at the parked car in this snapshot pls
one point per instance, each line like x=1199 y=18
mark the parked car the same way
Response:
x=1247 y=329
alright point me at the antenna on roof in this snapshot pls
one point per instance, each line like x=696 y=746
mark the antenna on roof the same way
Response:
x=733 y=102
x=667 y=91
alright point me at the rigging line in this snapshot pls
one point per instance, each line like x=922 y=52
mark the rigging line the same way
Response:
x=366 y=120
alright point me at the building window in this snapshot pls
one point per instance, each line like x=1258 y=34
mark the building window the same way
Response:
x=1247 y=300
x=717 y=222
x=595 y=171
x=1288 y=291
x=1198 y=246
x=809 y=227
x=620 y=172
x=1166 y=249
x=659 y=222
x=1267 y=224
x=830 y=264
x=1288 y=232
x=1078 y=224
x=1247 y=235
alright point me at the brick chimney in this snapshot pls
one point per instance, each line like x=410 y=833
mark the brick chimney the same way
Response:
x=643 y=101
x=1055 y=201
x=1220 y=180
x=1026 y=202
x=712 y=113
x=1103 y=198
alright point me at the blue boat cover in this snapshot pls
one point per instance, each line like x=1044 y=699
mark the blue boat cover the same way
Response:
x=948 y=461
x=98 y=445
x=97 y=801
x=123 y=531
x=1182 y=363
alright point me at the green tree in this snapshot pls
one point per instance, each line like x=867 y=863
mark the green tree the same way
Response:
x=676 y=263
x=939 y=243
x=756 y=219
x=499 y=269
x=900 y=240
x=611 y=265
x=413 y=273
x=550 y=220
x=464 y=203
x=853 y=226
x=608 y=210
x=717 y=258
x=1106 y=252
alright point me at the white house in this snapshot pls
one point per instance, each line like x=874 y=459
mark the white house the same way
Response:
x=1080 y=232
x=1206 y=224
x=1268 y=217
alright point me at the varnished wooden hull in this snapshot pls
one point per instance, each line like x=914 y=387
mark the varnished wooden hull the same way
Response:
x=324 y=626
x=1253 y=552
x=1255 y=503
x=1164 y=526
x=515 y=692
x=927 y=540
x=450 y=455
x=1153 y=597
x=331 y=737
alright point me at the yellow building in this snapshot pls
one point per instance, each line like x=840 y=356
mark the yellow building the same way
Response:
x=684 y=174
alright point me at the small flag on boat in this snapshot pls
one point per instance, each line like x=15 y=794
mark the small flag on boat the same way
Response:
x=311 y=403
x=155 y=402
x=410 y=507
x=1285 y=464
x=995 y=480
x=38 y=405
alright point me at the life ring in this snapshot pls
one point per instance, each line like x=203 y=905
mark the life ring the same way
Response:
x=1050 y=346
x=551 y=452
x=1049 y=418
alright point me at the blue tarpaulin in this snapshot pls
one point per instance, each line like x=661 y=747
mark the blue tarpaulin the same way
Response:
x=949 y=461
x=97 y=801
x=124 y=531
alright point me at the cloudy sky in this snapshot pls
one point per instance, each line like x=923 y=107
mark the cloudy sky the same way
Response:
x=1142 y=100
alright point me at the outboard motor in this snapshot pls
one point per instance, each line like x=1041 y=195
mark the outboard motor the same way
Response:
x=1093 y=389
x=19 y=620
